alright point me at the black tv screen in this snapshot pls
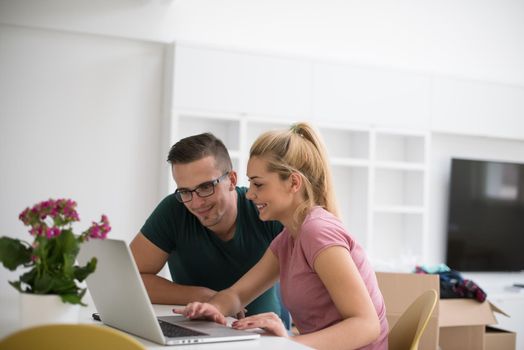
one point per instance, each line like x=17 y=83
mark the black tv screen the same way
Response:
x=486 y=216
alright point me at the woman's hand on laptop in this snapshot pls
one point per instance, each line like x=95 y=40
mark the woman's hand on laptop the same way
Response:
x=204 y=311
x=268 y=321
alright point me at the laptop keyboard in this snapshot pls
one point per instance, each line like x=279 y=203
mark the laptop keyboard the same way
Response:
x=173 y=331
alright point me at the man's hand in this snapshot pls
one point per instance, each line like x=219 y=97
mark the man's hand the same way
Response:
x=204 y=311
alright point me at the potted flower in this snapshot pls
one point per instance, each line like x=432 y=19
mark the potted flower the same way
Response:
x=51 y=257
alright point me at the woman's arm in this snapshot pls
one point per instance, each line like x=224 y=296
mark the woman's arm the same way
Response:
x=346 y=288
x=232 y=300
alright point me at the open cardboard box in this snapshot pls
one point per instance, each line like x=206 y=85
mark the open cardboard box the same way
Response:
x=495 y=339
x=400 y=290
x=463 y=324
x=455 y=323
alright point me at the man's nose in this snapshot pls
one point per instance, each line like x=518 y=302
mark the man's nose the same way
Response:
x=197 y=201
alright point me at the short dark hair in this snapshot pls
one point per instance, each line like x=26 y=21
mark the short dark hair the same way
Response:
x=196 y=147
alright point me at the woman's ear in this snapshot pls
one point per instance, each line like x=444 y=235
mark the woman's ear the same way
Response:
x=296 y=182
x=233 y=180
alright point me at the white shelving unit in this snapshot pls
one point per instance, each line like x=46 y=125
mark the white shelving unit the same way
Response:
x=380 y=177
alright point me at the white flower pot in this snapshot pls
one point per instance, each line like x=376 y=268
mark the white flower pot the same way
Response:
x=37 y=309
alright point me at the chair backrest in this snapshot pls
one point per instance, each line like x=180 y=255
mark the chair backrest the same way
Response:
x=408 y=330
x=70 y=336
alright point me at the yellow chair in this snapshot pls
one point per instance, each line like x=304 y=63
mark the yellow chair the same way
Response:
x=69 y=337
x=406 y=333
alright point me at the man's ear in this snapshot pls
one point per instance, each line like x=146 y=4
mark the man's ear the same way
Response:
x=232 y=179
x=296 y=182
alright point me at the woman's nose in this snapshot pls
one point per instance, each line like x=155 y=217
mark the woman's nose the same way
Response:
x=250 y=195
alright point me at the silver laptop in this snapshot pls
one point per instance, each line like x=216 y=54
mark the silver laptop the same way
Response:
x=122 y=301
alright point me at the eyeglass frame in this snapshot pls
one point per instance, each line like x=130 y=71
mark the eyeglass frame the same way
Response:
x=213 y=183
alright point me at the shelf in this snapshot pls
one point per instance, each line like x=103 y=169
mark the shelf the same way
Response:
x=351 y=191
x=228 y=130
x=234 y=154
x=395 y=187
x=400 y=165
x=400 y=148
x=379 y=177
x=341 y=143
x=398 y=237
x=399 y=209
x=256 y=128
x=349 y=162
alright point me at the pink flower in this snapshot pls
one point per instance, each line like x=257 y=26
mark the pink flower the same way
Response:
x=54 y=247
x=53 y=232
x=62 y=212
x=99 y=230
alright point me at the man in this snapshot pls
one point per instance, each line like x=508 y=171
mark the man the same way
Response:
x=207 y=231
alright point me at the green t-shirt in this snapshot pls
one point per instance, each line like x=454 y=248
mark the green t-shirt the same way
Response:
x=198 y=257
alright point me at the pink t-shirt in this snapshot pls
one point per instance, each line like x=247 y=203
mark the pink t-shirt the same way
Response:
x=303 y=293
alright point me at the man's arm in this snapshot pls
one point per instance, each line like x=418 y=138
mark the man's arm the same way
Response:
x=150 y=260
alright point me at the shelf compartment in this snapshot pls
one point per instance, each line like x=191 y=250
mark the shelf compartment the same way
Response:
x=349 y=162
x=399 y=209
x=351 y=188
x=256 y=128
x=340 y=143
x=400 y=165
x=226 y=130
x=398 y=239
x=395 y=187
x=393 y=147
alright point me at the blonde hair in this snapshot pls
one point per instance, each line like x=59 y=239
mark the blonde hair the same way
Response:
x=300 y=150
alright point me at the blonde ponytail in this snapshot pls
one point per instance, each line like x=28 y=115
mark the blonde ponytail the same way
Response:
x=299 y=150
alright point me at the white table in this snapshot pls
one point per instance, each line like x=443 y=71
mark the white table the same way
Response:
x=9 y=322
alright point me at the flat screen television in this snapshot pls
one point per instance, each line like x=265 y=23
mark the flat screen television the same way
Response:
x=486 y=216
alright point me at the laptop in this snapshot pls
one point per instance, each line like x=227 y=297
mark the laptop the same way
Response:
x=122 y=301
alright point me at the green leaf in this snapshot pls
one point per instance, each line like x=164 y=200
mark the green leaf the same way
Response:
x=53 y=253
x=63 y=285
x=43 y=283
x=14 y=253
x=41 y=248
x=68 y=243
x=29 y=277
x=74 y=298
x=17 y=285
x=68 y=246
x=68 y=267
x=81 y=272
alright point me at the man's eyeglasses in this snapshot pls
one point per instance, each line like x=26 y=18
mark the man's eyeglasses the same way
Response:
x=203 y=190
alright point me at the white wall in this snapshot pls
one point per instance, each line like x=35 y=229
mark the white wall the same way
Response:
x=465 y=38
x=80 y=117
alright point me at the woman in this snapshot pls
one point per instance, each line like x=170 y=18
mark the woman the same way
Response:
x=327 y=283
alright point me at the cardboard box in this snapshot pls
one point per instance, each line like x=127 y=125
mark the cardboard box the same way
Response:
x=463 y=324
x=400 y=290
x=498 y=339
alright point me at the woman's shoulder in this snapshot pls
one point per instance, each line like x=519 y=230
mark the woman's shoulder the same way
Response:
x=319 y=217
x=321 y=225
